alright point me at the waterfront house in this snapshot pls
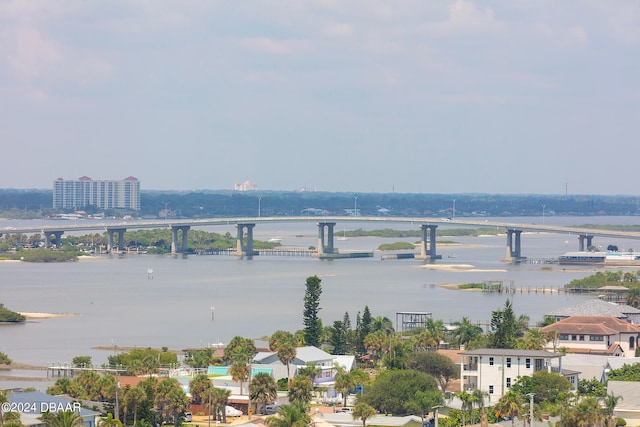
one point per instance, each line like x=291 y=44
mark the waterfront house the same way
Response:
x=598 y=307
x=604 y=335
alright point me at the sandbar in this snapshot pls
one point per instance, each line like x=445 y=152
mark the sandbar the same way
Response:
x=31 y=315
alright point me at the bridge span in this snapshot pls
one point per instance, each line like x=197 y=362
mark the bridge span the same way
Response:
x=325 y=224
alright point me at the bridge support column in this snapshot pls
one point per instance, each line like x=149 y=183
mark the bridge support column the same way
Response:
x=184 y=245
x=514 y=250
x=110 y=233
x=430 y=251
x=325 y=247
x=581 y=242
x=57 y=235
x=243 y=249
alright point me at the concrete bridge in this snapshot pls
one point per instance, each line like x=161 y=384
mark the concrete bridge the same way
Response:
x=326 y=225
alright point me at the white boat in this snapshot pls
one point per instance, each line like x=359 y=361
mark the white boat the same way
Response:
x=344 y=236
x=274 y=240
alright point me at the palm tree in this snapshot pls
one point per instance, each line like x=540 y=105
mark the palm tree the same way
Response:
x=311 y=370
x=610 y=403
x=177 y=402
x=109 y=421
x=286 y=354
x=240 y=371
x=199 y=388
x=466 y=331
x=363 y=411
x=292 y=415
x=300 y=390
x=62 y=419
x=383 y=324
x=132 y=400
x=533 y=339
x=377 y=343
x=466 y=398
x=263 y=389
x=220 y=397
x=165 y=387
x=509 y=405
x=344 y=382
x=588 y=412
x=477 y=398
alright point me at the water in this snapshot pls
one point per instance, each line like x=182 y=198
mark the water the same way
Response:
x=118 y=303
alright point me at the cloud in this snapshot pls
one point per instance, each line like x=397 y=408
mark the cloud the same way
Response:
x=266 y=45
x=464 y=18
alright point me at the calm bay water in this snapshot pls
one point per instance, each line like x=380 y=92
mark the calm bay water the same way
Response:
x=117 y=302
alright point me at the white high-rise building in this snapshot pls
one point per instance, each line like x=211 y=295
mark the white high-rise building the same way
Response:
x=104 y=194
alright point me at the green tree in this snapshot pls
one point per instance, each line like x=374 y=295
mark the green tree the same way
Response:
x=164 y=393
x=81 y=361
x=4 y=359
x=292 y=415
x=503 y=327
x=263 y=389
x=426 y=400
x=394 y=391
x=438 y=366
x=591 y=387
x=312 y=325
x=363 y=412
x=220 y=397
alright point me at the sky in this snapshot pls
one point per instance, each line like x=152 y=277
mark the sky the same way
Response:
x=414 y=96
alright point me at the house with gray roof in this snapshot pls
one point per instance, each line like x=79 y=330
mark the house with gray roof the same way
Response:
x=628 y=407
x=33 y=404
x=598 y=307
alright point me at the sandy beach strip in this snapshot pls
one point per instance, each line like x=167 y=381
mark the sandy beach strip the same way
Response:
x=32 y=315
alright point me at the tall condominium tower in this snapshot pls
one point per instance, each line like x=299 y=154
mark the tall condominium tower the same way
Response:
x=104 y=194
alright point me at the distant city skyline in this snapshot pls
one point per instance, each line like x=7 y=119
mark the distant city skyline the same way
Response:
x=457 y=96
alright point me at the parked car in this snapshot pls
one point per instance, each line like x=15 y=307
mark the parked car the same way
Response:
x=345 y=410
x=230 y=411
x=271 y=409
x=188 y=417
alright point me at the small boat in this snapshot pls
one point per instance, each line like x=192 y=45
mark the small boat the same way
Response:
x=274 y=240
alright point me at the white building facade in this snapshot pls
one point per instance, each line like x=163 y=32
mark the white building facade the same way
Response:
x=495 y=370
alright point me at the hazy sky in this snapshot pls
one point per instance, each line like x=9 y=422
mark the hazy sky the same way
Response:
x=408 y=96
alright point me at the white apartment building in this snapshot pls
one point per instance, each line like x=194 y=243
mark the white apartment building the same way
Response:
x=103 y=194
x=495 y=370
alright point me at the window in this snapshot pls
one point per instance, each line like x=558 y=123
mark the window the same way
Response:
x=491 y=361
x=596 y=338
x=508 y=382
x=574 y=337
x=527 y=363
x=508 y=362
x=490 y=389
x=581 y=337
x=564 y=337
x=632 y=343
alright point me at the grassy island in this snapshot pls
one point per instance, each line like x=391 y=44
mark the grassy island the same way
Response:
x=8 y=316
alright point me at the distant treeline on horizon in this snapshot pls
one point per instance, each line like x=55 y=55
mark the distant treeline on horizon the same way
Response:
x=227 y=203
